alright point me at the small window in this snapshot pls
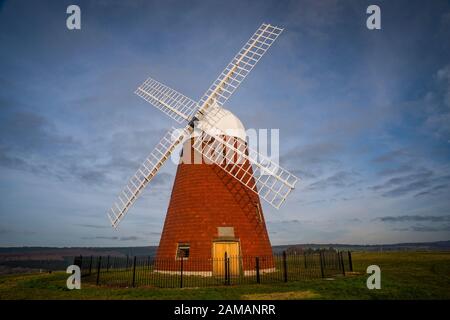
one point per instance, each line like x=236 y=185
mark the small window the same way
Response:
x=183 y=251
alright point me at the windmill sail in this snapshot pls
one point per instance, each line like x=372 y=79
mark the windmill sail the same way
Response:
x=257 y=172
x=174 y=104
x=252 y=169
x=145 y=173
x=240 y=66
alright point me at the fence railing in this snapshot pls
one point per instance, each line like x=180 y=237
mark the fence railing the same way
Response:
x=195 y=272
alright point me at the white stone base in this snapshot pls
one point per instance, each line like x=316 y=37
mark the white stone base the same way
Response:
x=205 y=273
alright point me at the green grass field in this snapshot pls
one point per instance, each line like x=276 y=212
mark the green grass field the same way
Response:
x=404 y=275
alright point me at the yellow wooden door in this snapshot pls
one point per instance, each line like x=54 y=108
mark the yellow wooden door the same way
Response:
x=232 y=250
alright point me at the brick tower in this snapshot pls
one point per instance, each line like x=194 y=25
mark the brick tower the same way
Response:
x=211 y=213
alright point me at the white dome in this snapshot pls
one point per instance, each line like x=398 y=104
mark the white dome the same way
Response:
x=230 y=124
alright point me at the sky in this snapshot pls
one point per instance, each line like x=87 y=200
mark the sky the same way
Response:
x=364 y=115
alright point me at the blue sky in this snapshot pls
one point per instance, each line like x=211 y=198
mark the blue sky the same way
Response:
x=364 y=116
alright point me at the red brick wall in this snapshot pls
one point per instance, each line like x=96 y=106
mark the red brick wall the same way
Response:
x=203 y=198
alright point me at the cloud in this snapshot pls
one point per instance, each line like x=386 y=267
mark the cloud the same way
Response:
x=392 y=155
x=415 y=218
x=28 y=131
x=6 y=231
x=407 y=188
x=310 y=153
x=10 y=161
x=422 y=228
x=162 y=179
x=422 y=181
x=432 y=191
x=404 y=180
x=308 y=161
x=130 y=238
x=92 y=226
x=395 y=171
x=339 y=180
x=437 y=102
x=90 y=175
x=30 y=142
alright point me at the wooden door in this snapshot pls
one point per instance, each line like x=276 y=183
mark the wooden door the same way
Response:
x=232 y=250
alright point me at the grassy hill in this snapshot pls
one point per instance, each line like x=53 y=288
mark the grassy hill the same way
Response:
x=404 y=275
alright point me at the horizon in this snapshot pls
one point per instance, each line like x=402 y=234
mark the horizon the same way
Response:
x=277 y=245
x=367 y=134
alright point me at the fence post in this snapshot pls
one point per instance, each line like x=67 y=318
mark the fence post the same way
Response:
x=90 y=266
x=341 y=259
x=304 y=255
x=226 y=267
x=181 y=271
x=107 y=264
x=134 y=271
x=321 y=265
x=285 y=267
x=350 y=264
x=99 y=264
x=81 y=265
x=258 y=279
x=127 y=264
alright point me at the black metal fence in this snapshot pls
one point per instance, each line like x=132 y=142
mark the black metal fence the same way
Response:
x=195 y=272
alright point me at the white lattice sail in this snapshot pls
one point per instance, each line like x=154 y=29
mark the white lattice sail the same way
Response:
x=240 y=66
x=174 y=104
x=255 y=171
x=146 y=172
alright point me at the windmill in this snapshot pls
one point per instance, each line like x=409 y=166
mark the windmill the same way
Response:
x=214 y=206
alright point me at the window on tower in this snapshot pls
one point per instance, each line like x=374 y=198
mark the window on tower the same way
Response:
x=183 y=251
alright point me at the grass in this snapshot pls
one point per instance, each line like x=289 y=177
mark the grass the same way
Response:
x=404 y=275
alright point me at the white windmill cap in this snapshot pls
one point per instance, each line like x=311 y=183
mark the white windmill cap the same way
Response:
x=228 y=123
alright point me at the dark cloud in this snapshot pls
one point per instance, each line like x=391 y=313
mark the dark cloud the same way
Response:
x=310 y=154
x=421 y=182
x=403 y=180
x=432 y=191
x=390 y=156
x=6 y=230
x=100 y=238
x=10 y=161
x=407 y=188
x=422 y=228
x=395 y=171
x=340 y=179
x=92 y=175
x=30 y=132
x=408 y=218
x=92 y=226
x=29 y=142
x=130 y=238
x=437 y=102
x=309 y=161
